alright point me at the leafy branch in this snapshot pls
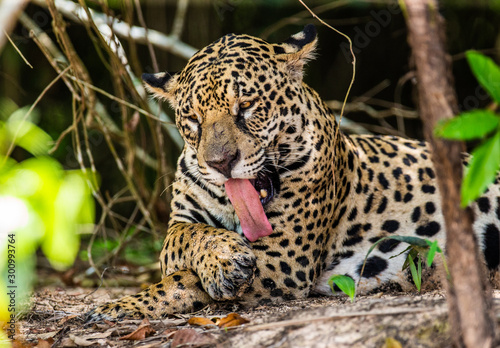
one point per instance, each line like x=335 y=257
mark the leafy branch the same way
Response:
x=478 y=124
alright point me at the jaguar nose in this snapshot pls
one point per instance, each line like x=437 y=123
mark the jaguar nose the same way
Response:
x=224 y=162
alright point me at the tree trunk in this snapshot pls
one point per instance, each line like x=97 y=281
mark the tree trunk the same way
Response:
x=469 y=296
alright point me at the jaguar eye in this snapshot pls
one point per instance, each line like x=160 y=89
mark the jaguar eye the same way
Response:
x=193 y=118
x=246 y=105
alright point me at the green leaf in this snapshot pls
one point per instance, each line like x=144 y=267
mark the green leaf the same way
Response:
x=432 y=251
x=448 y=276
x=411 y=255
x=429 y=243
x=394 y=256
x=414 y=241
x=29 y=137
x=486 y=72
x=482 y=170
x=468 y=125
x=416 y=274
x=7 y=108
x=419 y=272
x=345 y=283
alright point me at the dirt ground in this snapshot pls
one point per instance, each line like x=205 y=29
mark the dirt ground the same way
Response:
x=380 y=320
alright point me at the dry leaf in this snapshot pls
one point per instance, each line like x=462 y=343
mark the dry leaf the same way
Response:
x=85 y=340
x=44 y=343
x=47 y=335
x=144 y=330
x=81 y=341
x=139 y=334
x=169 y=332
x=199 y=321
x=392 y=343
x=190 y=337
x=98 y=335
x=232 y=319
x=68 y=277
x=65 y=319
x=66 y=342
x=110 y=323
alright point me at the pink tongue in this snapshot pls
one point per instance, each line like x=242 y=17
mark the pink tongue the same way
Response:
x=246 y=203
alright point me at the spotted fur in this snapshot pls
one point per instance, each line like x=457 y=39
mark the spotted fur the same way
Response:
x=243 y=109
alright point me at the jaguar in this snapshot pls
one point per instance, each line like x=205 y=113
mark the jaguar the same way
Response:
x=271 y=198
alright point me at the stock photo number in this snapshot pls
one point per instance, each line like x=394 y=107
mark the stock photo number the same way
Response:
x=11 y=284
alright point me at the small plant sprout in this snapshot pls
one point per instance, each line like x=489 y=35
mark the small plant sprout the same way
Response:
x=419 y=249
x=345 y=284
x=416 y=270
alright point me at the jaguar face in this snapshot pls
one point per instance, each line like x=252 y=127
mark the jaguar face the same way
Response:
x=235 y=101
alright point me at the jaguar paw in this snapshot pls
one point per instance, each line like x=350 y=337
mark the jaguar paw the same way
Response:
x=179 y=292
x=230 y=276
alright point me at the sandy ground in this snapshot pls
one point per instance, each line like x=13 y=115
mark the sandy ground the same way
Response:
x=380 y=320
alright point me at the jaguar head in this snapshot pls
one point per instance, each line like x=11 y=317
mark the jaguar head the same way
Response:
x=234 y=101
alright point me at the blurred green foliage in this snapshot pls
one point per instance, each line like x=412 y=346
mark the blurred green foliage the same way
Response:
x=143 y=253
x=41 y=205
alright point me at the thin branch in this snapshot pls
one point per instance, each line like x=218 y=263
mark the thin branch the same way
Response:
x=352 y=127
x=119 y=100
x=166 y=42
x=374 y=90
x=9 y=11
x=130 y=184
x=383 y=129
x=296 y=322
x=56 y=59
x=107 y=29
x=364 y=107
x=180 y=16
x=353 y=60
x=25 y=117
x=54 y=56
x=297 y=18
x=150 y=46
x=17 y=49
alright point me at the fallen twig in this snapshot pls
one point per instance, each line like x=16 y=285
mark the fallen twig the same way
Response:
x=333 y=317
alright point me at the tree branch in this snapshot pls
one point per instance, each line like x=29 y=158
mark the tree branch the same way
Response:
x=469 y=301
x=166 y=42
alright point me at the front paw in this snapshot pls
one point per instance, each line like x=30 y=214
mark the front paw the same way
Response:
x=229 y=271
x=179 y=292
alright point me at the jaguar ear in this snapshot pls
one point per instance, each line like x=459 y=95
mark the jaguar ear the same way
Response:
x=297 y=50
x=160 y=84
